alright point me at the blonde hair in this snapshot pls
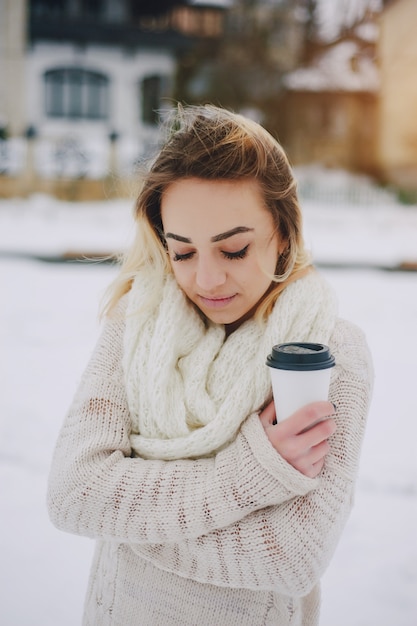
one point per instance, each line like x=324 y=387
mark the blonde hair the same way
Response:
x=212 y=143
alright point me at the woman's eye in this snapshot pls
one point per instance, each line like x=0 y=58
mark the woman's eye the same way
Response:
x=182 y=257
x=240 y=254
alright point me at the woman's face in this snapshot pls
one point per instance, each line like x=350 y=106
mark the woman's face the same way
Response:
x=222 y=244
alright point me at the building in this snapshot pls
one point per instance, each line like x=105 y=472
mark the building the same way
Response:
x=329 y=110
x=397 y=137
x=85 y=82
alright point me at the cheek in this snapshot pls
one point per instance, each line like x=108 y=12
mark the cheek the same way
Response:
x=266 y=262
x=251 y=277
x=180 y=273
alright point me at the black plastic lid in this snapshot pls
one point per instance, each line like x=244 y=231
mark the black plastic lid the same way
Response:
x=300 y=356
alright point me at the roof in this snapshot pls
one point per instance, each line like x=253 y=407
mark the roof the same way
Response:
x=340 y=68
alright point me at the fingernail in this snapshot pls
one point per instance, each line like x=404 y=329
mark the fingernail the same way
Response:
x=334 y=406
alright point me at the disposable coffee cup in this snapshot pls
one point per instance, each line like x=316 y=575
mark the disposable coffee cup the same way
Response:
x=300 y=374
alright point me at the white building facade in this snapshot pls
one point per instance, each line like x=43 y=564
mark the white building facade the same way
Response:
x=90 y=79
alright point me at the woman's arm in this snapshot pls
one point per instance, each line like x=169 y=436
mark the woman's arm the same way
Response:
x=287 y=547
x=96 y=489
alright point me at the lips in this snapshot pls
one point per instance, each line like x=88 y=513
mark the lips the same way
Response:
x=216 y=303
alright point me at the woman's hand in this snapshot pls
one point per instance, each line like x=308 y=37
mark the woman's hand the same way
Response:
x=301 y=439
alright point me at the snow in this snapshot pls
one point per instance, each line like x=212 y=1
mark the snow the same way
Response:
x=41 y=225
x=334 y=70
x=48 y=327
x=344 y=66
x=334 y=15
x=367 y=31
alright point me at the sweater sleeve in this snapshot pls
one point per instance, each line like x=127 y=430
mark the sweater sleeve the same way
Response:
x=287 y=547
x=97 y=489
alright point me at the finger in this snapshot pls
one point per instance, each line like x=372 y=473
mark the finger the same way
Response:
x=305 y=417
x=267 y=416
x=308 y=468
x=321 y=431
x=318 y=453
x=315 y=469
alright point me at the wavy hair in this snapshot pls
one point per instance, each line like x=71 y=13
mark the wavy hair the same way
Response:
x=212 y=143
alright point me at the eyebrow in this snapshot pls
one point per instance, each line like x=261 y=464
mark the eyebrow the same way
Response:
x=215 y=238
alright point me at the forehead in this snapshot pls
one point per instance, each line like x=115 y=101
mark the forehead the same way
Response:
x=194 y=203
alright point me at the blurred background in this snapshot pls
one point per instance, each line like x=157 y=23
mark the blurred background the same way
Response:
x=84 y=85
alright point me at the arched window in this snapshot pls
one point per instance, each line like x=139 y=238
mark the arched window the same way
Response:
x=76 y=93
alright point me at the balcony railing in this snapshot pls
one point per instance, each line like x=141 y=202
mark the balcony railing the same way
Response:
x=179 y=27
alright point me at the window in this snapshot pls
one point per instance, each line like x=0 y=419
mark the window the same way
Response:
x=76 y=93
x=57 y=8
x=48 y=8
x=153 y=90
x=92 y=8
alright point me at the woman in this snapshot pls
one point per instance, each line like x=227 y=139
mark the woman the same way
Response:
x=205 y=510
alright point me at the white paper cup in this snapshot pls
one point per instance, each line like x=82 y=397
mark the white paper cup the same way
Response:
x=300 y=374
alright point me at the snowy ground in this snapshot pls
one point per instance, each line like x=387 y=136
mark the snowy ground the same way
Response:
x=48 y=327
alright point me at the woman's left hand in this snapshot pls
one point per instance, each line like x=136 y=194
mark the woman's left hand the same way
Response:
x=302 y=438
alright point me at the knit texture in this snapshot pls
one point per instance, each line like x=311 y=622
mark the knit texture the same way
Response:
x=188 y=390
x=236 y=538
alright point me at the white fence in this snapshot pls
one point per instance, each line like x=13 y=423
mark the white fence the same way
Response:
x=71 y=157
x=325 y=186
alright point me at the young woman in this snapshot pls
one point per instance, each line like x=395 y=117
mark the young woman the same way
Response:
x=205 y=510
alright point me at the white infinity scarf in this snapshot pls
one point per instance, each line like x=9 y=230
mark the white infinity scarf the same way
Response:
x=188 y=389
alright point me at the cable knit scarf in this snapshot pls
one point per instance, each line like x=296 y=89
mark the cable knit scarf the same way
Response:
x=188 y=388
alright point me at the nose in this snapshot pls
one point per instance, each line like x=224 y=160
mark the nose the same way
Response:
x=209 y=274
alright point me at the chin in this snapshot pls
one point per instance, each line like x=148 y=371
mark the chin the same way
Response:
x=220 y=318
x=229 y=320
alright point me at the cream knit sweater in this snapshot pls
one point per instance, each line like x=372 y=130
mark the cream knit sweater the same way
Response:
x=240 y=538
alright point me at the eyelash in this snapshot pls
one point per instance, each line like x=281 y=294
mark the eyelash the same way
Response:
x=240 y=254
x=231 y=256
